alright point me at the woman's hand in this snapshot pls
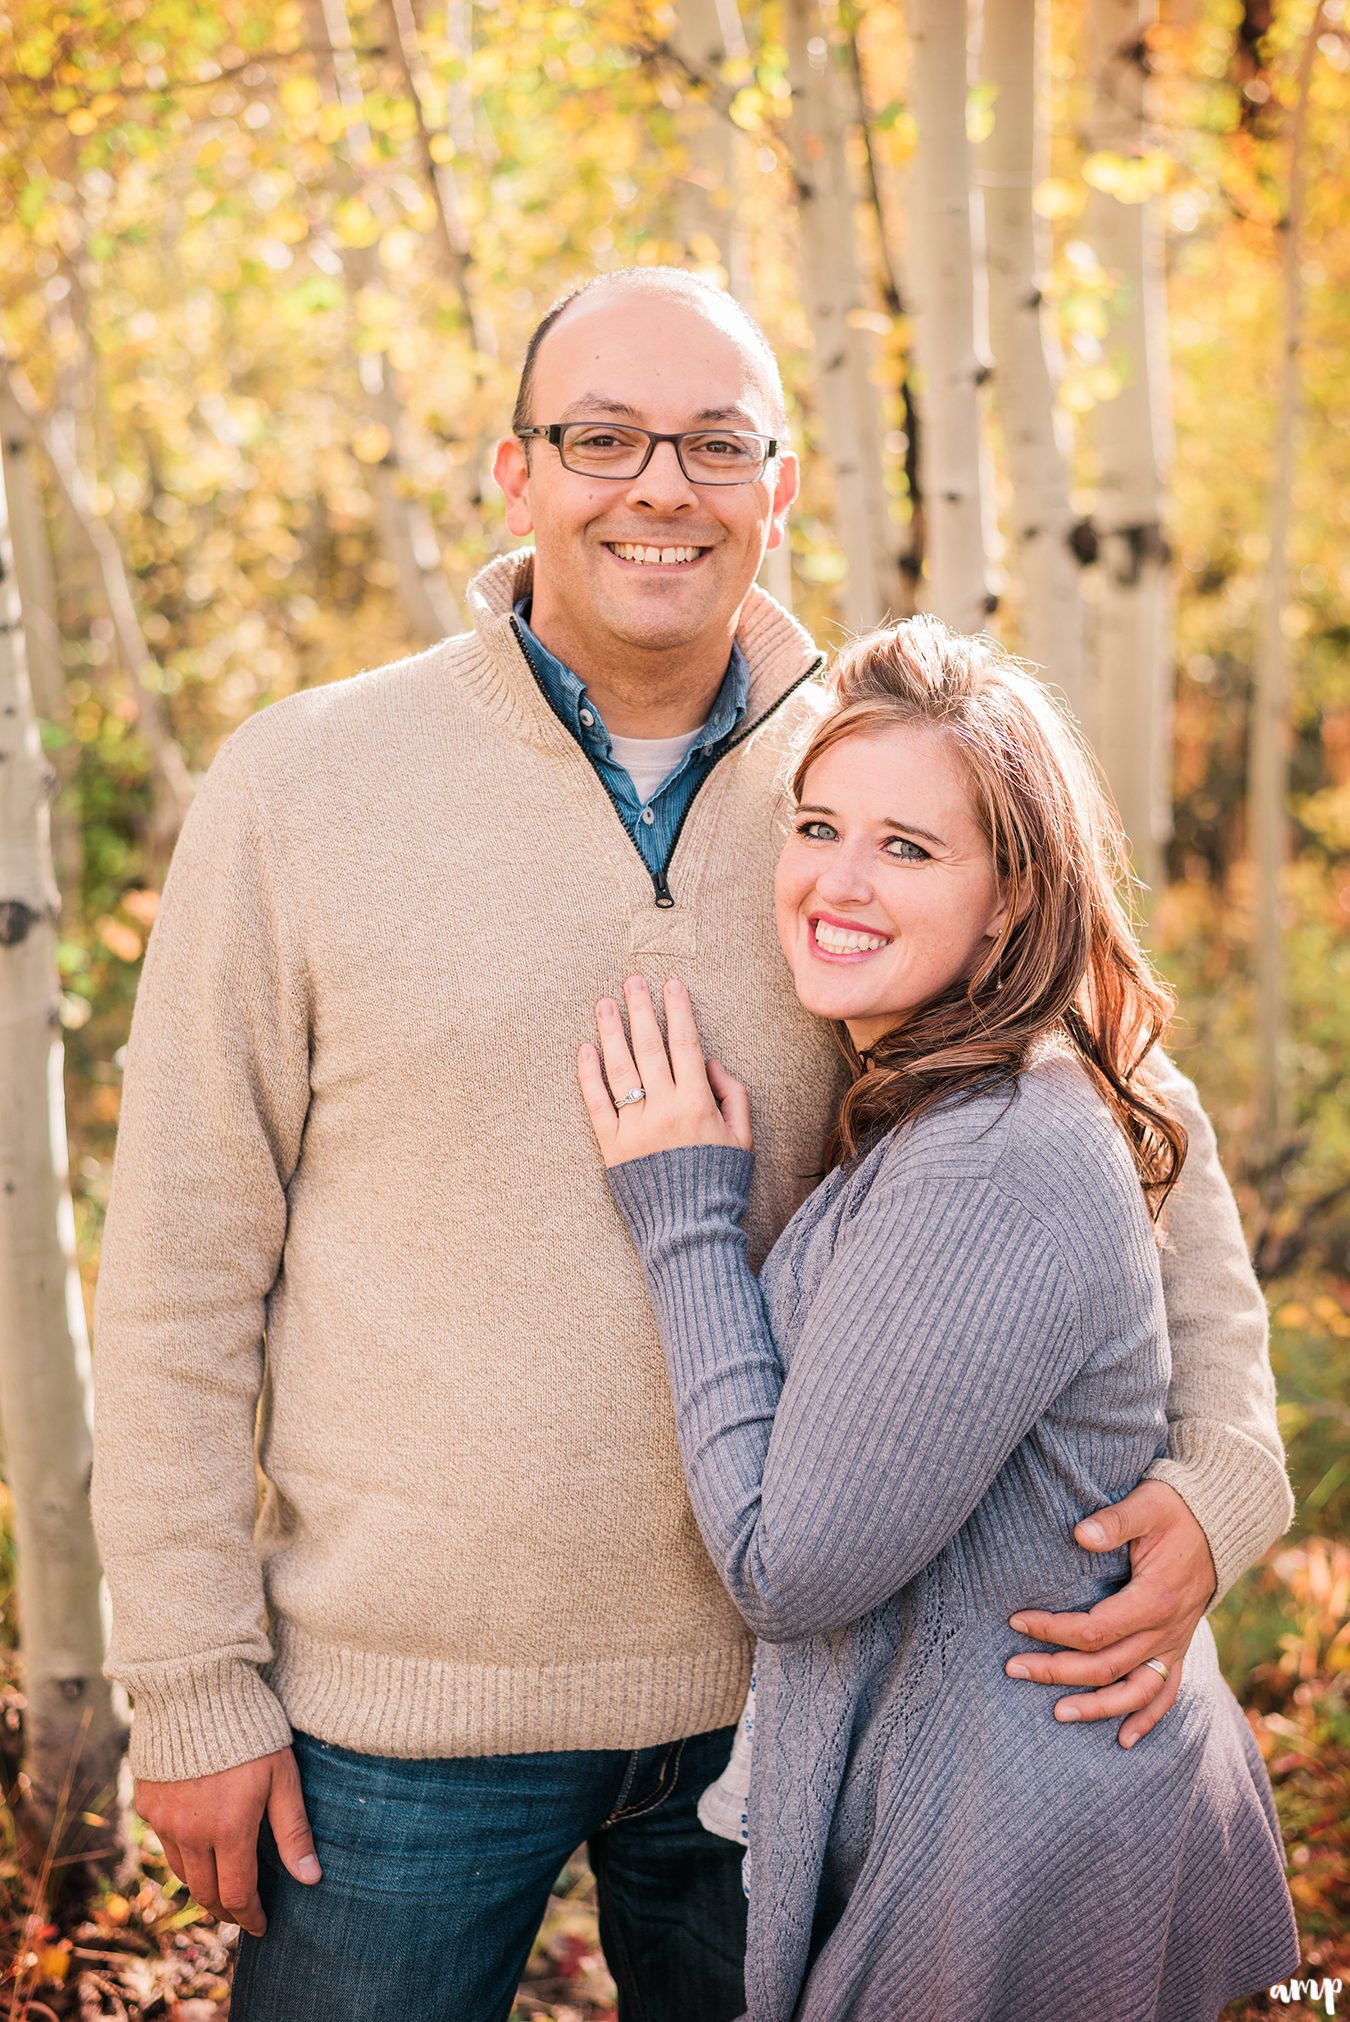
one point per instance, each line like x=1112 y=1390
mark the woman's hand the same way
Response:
x=688 y=1100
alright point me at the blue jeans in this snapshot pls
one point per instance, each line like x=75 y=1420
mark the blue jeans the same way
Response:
x=436 y=1875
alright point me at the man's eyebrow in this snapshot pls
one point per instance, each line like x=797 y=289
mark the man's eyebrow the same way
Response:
x=887 y=821
x=590 y=402
x=592 y=405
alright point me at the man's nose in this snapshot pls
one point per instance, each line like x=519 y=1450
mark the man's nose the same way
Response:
x=662 y=486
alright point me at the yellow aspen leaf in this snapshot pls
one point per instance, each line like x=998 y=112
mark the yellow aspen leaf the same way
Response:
x=300 y=96
x=441 y=148
x=398 y=249
x=81 y=121
x=288 y=226
x=355 y=223
x=747 y=109
x=824 y=565
x=372 y=443
x=124 y=942
x=53 y=1962
x=1056 y=198
x=1130 y=179
x=332 y=124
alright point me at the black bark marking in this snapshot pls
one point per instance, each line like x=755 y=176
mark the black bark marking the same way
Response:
x=17 y=920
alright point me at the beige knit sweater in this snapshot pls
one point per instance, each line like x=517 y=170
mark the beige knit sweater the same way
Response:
x=359 y=1229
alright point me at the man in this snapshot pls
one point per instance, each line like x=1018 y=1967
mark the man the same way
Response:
x=473 y=1624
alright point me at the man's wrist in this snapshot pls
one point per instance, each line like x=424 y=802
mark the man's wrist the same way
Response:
x=200 y=1717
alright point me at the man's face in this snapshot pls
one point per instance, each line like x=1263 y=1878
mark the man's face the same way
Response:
x=665 y=364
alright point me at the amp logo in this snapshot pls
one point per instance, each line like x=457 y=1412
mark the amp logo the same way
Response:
x=1311 y=1991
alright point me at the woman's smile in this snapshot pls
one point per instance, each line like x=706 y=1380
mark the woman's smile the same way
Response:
x=836 y=940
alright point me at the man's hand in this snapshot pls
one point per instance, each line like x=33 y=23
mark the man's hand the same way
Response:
x=1172 y=1580
x=208 y=1827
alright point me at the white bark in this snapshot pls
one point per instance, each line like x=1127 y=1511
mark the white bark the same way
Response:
x=36 y=581
x=407 y=536
x=1028 y=363
x=452 y=237
x=1268 y=757
x=947 y=299
x=73 y=1733
x=171 y=786
x=706 y=35
x=886 y=194
x=850 y=405
x=1134 y=444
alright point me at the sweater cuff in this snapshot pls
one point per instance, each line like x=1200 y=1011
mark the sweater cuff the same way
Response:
x=670 y=1193
x=1236 y=1490
x=199 y=1718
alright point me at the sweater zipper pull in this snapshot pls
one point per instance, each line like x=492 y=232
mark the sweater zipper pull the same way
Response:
x=665 y=898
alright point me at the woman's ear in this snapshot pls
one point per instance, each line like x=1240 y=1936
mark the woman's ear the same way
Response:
x=1013 y=905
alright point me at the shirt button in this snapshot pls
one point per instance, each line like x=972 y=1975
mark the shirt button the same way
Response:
x=648 y=816
x=587 y=718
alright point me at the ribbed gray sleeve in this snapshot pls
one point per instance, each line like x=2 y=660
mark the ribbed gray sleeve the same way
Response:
x=916 y=1371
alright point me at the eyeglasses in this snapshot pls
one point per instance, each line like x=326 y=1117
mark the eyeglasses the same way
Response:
x=607 y=449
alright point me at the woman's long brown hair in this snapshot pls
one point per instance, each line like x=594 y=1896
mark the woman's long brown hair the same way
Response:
x=1067 y=965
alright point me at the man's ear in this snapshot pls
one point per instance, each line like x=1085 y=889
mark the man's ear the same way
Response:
x=784 y=495
x=512 y=473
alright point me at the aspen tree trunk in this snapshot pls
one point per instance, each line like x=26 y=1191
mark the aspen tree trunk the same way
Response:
x=36 y=582
x=406 y=533
x=1268 y=756
x=1028 y=363
x=887 y=198
x=1134 y=443
x=850 y=404
x=947 y=300
x=74 y=1737
x=706 y=35
x=171 y=786
x=452 y=238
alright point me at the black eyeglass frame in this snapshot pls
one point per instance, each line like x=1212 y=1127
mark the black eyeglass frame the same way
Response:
x=554 y=431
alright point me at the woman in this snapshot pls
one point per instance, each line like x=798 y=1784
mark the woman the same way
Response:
x=955 y=1351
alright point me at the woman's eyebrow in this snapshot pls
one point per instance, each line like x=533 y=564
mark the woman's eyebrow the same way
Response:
x=887 y=821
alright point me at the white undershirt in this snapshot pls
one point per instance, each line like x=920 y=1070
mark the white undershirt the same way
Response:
x=649 y=761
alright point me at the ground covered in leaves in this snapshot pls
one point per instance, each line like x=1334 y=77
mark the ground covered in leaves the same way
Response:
x=149 y=1954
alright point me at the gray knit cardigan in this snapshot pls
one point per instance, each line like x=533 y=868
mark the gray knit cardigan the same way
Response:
x=956 y=1349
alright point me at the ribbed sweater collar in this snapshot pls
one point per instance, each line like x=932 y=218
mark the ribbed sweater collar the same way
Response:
x=778 y=651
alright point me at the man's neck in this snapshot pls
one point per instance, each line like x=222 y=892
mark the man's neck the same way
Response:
x=639 y=692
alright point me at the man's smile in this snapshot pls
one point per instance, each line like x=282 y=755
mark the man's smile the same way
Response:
x=647 y=555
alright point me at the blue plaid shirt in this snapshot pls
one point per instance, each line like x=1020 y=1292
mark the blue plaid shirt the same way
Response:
x=653 y=824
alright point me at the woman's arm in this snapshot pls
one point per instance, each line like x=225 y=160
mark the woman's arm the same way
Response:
x=943 y=1326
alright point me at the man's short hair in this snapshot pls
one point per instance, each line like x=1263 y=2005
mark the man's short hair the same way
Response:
x=661 y=280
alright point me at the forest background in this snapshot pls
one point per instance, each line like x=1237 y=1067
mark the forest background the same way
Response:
x=1061 y=301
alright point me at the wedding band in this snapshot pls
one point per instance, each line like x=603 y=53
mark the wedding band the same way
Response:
x=633 y=1095
x=1156 y=1664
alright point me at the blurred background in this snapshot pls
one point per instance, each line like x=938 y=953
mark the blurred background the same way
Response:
x=1061 y=300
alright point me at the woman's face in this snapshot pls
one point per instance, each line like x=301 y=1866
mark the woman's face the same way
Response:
x=886 y=890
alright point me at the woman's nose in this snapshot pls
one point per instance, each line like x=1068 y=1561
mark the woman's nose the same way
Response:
x=845 y=876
